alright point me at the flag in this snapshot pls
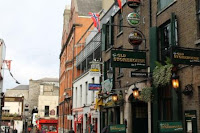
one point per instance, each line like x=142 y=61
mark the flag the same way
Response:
x=119 y=4
x=95 y=18
x=8 y=63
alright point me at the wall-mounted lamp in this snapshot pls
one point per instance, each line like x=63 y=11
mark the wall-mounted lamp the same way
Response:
x=188 y=90
x=135 y=92
x=114 y=97
x=175 y=81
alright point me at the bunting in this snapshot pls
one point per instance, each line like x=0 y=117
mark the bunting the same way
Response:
x=8 y=64
x=96 y=20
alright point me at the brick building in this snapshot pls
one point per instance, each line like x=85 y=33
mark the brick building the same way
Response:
x=76 y=22
x=168 y=29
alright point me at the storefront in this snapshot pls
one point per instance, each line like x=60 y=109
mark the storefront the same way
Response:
x=50 y=126
x=78 y=124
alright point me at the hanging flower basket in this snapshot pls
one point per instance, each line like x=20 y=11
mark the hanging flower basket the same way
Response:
x=162 y=73
x=146 y=94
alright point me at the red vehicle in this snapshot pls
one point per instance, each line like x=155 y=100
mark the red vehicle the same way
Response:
x=48 y=125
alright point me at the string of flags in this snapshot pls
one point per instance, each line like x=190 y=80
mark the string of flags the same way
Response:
x=8 y=64
x=96 y=20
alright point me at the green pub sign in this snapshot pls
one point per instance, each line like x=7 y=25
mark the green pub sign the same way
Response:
x=185 y=56
x=171 y=127
x=117 y=128
x=128 y=59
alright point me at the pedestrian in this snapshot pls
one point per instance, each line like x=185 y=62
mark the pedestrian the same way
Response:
x=15 y=130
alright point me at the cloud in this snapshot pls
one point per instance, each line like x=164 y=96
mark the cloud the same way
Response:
x=32 y=31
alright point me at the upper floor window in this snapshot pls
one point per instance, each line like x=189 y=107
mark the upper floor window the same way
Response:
x=107 y=34
x=46 y=111
x=163 y=4
x=168 y=36
x=120 y=18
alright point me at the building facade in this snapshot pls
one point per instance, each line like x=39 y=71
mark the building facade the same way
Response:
x=147 y=45
x=12 y=114
x=47 y=117
x=77 y=22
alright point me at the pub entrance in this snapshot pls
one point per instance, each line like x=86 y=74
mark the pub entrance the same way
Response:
x=139 y=117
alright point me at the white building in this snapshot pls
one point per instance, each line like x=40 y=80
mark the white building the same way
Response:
x=12 y=113
x=84 y=101
x=47 y=117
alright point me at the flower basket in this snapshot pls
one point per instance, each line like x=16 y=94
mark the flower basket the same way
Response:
x=162 y=73
x=146 y=94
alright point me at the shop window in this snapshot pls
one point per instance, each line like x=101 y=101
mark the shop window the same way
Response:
x=46 y=111
x=168 y=34
x=163 y=4
x=165 y=103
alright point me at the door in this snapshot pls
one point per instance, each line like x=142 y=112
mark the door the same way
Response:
x=139 y=117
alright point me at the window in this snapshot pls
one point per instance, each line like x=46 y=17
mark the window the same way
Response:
x=46 y=111
x=81 y=95
x=165 y=103
x=120 y=18
x=168 y=37
x=163 y=3
x=107 y=34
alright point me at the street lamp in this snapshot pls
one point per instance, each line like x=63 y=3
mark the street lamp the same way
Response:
x=135 y=92
x=114 y=97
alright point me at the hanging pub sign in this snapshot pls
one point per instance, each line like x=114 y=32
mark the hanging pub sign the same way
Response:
x=135 y=38
x=94 y=87
x=133 y=19
x=185 y=56
x=128 y=59
x=133 y=3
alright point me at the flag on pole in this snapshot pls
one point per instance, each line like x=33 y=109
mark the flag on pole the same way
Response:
x=96 y=20
x=119 y=4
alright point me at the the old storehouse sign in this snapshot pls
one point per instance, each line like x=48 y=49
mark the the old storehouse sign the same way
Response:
x=133 y=3
x=135 y=38
x=171 y=127
x=133 y=19
x=128 y=59
x=185 y=56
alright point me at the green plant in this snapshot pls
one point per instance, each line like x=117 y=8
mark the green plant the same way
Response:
x=162 y=73
x=146 y=94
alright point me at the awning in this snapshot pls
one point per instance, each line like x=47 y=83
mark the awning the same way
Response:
x=80 y=119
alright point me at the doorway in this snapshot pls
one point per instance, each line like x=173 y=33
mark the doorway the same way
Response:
x=139 y=117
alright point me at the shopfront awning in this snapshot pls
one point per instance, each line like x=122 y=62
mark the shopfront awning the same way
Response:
x=80 y=119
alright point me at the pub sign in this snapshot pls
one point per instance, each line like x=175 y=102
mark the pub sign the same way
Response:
x=135 y=38
x=94 y=87
x=128 y=59
x=133 y=3
x=133 y=19
x=185 y=56
x=171 y=127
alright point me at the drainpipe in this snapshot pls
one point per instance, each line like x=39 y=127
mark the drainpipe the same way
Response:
x=150 y=14
x=149 y=103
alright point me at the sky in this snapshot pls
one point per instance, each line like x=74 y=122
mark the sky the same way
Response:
x=32 y=32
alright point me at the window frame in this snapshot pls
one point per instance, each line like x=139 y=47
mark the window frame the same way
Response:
x=165 y=5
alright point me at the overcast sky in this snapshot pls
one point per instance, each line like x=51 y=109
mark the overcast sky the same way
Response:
x=32 y=32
